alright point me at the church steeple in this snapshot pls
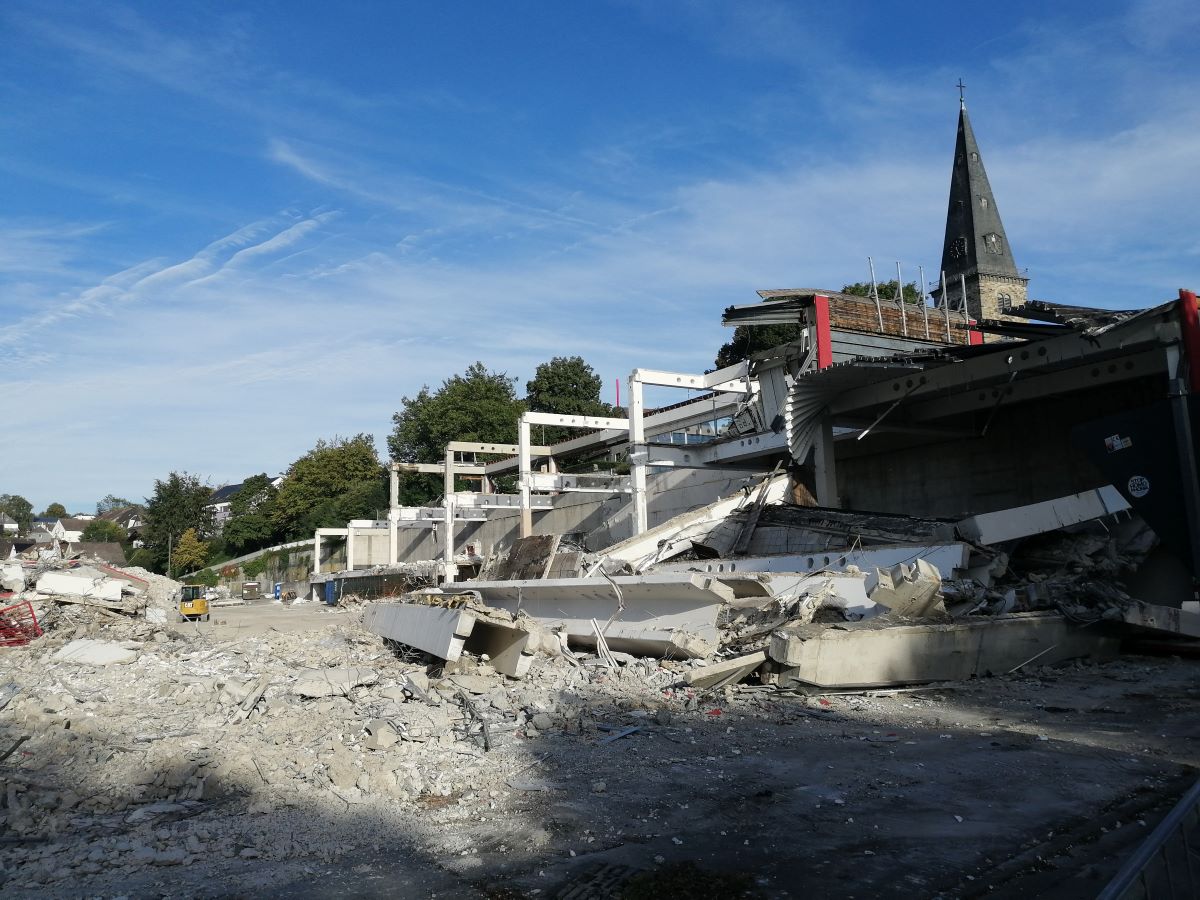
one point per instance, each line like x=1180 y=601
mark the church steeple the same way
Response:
x=976 y=247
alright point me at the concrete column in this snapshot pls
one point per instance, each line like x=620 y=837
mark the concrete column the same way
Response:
x=449 y=569
x=349 y=548
x=826 y=469
x=637 y=454
x=523 y=444
x=448 y=474
x=316 y=553
x=394 y=516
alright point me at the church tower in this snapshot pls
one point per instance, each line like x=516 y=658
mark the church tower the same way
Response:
x=976 y=248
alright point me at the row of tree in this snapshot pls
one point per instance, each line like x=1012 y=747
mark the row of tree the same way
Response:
x=344 y=478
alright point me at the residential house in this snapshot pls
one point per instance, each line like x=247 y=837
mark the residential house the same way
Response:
x=132 y=518
x=8 y=525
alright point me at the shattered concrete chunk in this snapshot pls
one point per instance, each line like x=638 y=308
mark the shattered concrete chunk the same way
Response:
x=332 y=682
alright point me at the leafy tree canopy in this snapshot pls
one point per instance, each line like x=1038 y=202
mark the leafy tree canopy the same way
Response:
x=317 y=482
x=750 y=339
x=177 y=505
x=18 y=509
x=477 y=406
x=251 y=524
x=109 y=503
x=56 y=511
x=104 y=531
x=566 y=385
x=190 y=553
x=887 y=290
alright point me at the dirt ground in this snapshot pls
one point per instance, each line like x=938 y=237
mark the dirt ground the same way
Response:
x=143 y=780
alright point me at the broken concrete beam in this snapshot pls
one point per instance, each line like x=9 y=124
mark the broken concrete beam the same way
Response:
x=875 y=654
x=447 y=633
x=652 y=615
x=510 y=650
x=434 y=630
x=1168 y=619
x=910 y=592
x=1038 y=518
x=728 y=671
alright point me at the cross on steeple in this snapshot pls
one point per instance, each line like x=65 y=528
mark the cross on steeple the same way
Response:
x=961 y=87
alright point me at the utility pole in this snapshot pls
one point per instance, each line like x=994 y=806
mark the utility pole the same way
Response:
x=169 y=537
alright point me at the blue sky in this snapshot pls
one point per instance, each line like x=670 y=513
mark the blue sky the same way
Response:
x=231 y=229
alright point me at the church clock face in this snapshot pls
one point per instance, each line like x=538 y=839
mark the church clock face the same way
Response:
x=993 y=242
x=958 y=248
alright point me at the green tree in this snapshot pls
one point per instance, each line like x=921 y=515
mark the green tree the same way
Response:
x=104 y=531
x=477 y=406
x=55 y=511
x=177 y=505
x=251 y=525
x=887 y=290
x=312 y=495
x=18 y=509
x=109 y=503
x=189 y=554
x=569 y=386
x=750 y=339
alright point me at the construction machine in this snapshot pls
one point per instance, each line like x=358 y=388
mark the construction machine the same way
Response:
x=193 y=604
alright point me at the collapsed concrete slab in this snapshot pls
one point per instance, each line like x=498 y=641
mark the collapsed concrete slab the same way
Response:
x=681 y=533
x=876 y=654
x=949 y=558
x=447 y=632
x=660 y=614
x=79 y=584
x=90 y=652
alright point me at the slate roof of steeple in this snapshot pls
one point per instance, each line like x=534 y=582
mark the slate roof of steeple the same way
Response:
x=975 y=238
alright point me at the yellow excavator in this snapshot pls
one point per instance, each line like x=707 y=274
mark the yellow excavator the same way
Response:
x=193 y=605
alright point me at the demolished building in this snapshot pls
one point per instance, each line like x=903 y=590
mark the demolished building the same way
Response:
x=1037 y=457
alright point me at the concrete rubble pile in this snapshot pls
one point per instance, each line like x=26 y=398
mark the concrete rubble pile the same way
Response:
x=131 y=740
x=80 y=591
x=816 y=598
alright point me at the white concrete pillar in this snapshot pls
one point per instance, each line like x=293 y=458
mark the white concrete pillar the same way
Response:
x=316 y=553
x=523 y=444
x=637 y=454
x=448 y=474
x=826 y=469
x=449 y=569
x=349 y=548
x=394 y=517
